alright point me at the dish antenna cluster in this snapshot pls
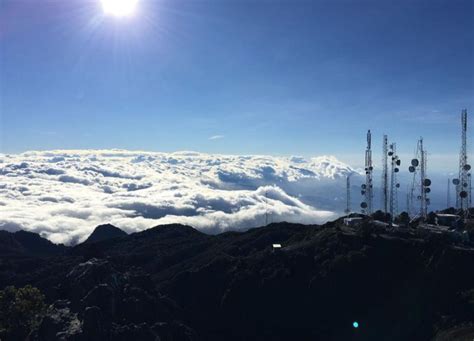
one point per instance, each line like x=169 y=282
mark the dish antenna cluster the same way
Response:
x=420 y=180
x=367 y=188
x=463 y=182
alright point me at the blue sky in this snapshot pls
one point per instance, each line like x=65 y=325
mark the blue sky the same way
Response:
x=268 y=77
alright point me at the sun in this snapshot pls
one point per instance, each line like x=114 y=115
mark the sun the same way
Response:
x=119 y=8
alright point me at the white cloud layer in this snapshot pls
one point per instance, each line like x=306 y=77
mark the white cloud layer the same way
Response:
x=63 y=195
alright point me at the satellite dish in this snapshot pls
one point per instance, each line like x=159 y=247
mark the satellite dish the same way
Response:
x=362 y=192
x=465 y=184
x=427 y=190
x=463 y=194
x=363 y=186
x=467 y=167
x=415 y=162
x=411 y=169
x=371 y=168
x=397 y=185
x=398 y=162
x=363 y=204
x=427 y=182
x=396 y=170
x=456 y=182
x=419 y=197
x=390 y=153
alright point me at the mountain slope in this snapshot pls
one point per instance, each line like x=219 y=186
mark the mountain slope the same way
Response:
x=234 y=286
x=27 y=244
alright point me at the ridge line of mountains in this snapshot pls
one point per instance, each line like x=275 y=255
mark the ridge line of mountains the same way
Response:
x=173 y=282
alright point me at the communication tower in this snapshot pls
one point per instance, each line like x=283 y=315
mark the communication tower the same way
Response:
x=448 y=194
x=462 y=183
x=348 y=195
x=394 y=185
x=420 y=183
x=367 y=188
x=385 y=174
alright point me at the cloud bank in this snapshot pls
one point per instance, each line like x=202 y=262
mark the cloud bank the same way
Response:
x=63 y=195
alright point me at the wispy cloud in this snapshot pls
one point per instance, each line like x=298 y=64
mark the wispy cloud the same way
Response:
x=216 y=137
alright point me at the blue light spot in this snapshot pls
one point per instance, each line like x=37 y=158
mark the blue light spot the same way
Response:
x=355 y=324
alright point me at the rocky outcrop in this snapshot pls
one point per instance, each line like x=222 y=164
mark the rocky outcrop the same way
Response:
x=106 y=303
x=59 y=323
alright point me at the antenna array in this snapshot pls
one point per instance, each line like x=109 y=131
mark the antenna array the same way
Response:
x=420 y=185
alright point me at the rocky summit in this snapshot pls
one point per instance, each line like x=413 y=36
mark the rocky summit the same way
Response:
x=174 y=283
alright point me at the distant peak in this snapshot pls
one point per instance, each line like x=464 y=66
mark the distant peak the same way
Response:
x=103 y=232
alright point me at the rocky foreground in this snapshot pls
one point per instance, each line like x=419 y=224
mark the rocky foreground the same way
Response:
x=175 y=283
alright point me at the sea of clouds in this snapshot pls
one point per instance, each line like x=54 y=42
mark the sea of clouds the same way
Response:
x=64 y=195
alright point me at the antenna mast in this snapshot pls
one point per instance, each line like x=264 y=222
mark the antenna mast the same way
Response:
x=348 y=194
x=418 y=166
x=424 y=181
x=394 y=185
x=385 y=174
x=462 y=183
x=367 y=188
x=448 y=194
x=266 y=207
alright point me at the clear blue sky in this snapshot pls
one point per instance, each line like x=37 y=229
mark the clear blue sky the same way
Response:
x=273 y=77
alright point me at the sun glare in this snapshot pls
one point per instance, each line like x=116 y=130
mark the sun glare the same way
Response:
x=119 y=8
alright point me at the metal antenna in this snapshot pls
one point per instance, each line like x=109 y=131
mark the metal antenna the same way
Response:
x=394 y=185
x=266 y=207
x=367 y=188
x=348 y=194
x=470 y=191
x=462 y=183
x=408 y=200
x=411 y=190
x=422 y=184
x=385 y=174
x=448 y=194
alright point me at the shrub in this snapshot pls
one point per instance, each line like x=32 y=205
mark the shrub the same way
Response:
x=21 y=311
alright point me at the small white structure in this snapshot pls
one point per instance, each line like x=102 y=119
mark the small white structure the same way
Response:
x=352 y=221
x=447 y=219
x=276 y=247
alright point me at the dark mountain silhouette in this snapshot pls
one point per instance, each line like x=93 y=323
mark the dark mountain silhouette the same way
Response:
x=27 y=244
x=175 y=283
x=103 y=232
